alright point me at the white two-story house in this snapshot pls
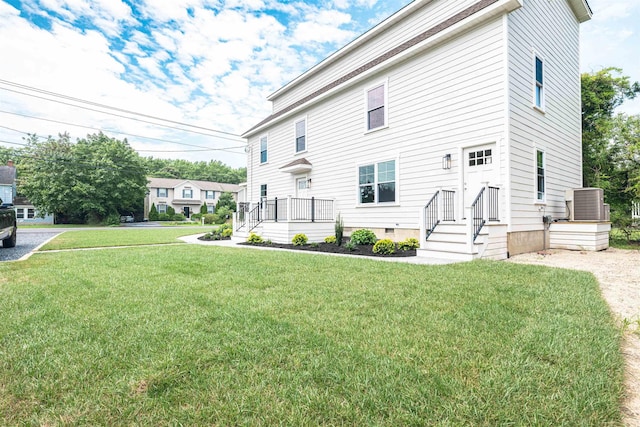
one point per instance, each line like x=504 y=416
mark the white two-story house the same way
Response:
x=185 y=196
x=458 y=122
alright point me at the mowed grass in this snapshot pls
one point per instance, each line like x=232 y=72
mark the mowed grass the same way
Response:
x=107 y=237
x=192 y=335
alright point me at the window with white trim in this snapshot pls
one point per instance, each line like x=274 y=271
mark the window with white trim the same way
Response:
x=162 y=208
x=20 y=213
x=31 y=213
x=209 y=194
x=187 y=193
x=540 y=175
x=211 y=209
x=263 y=191
x=539 y=83
x=162 y=192
x=377 y=107
x=377 y=183
x=263 y=149
x=301 y=135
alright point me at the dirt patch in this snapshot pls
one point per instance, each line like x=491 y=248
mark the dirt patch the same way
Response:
x=618 y=272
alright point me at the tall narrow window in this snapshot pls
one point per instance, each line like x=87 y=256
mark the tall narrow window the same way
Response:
x=377 y=182
x=540 y=175
x=301 y=135
x=376 y=100
x=263 y=149
x=263 y=191
x=539 y=95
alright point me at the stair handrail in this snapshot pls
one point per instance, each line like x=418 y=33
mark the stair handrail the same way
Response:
x=477 y=209
x=431 y=219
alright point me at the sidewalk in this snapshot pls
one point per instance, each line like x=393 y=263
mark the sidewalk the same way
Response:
x=230 y=243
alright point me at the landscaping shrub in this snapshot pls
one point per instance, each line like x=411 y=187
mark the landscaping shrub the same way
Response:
x=209 y=218
x=330 y=239
x=339 y=230
x=170 y=211
x=164 y=217
x=363 y=237
x=299 y=239
x=350 y=245
x=153 y=213
x=222 y=215
x=255 y=238
x=227 y=232
x=384 y=246
x=178 y=217
x=408 y=244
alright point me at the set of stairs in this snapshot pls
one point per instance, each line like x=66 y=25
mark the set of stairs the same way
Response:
x=452 y=241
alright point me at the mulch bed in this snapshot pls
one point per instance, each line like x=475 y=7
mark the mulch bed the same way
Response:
x=365 y=250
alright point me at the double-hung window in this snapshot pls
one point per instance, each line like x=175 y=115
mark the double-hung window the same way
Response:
x=187 y=193
x=540 y=175
x=377 y=183
x=263 y=191
x=162 y=208
x=211 y=209
x=20 y=213
x=263 y=149
x=210 y=195
x=539 y=88
x=377 y=107
x=301 y=135
x=162 y=192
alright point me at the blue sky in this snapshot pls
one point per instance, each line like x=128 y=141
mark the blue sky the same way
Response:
x=210 y=63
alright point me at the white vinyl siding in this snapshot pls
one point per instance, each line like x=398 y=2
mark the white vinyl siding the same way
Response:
x=346 y=60
x=558 y=130
x=436 y=101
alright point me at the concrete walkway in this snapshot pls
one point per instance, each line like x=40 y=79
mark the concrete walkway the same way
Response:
x=234 y=244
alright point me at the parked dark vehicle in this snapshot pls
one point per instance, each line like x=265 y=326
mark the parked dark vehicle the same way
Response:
x=8 y=225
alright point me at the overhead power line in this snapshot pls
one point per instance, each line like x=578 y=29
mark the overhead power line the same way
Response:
x=104 y=106
x=125 y=133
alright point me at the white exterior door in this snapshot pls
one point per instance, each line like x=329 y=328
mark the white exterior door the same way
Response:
x=479 y=170
x=302 y=187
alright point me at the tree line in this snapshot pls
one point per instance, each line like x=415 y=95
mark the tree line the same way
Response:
x=98 y=178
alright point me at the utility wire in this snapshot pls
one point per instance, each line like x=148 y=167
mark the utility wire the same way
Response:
x=96 y=104
x=124 y=133
x=117 y=115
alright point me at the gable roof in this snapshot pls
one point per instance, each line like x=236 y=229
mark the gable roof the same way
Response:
x=203 y=185
x=7 y=175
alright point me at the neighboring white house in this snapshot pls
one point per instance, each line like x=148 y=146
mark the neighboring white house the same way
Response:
x=456 y=121
x=185 y=196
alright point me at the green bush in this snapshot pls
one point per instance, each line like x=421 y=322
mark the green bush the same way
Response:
x=113 y=219
x=384 y=247
x=363 y=237
x=170 y=211
x=299 y=239
x=209 y=218
x=255 y=238
x=350 y=245
x=164 y=217
x=223 y=227
x=314 y=244
x=408 y=244
x=153 y=213
x=203 y=209
x=227 y=232
x=330 y=239
x=339 y=230
x=222 y=215
x=178 y=217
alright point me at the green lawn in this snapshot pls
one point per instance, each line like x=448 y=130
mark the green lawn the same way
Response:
x=193 y=335
x=120 y=237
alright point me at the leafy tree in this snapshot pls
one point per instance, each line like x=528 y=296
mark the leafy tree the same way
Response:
x=171 y=211
x=213 y=170
x=92 y=179
x=203 y=209
x=226 y=201
x=602 y=93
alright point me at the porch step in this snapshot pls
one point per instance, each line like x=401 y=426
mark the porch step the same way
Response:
x=449 y=241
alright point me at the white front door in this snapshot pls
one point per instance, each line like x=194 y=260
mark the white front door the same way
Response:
x=302 y=187
x=479 y=170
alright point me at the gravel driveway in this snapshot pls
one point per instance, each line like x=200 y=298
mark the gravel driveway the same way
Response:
x=28 y=240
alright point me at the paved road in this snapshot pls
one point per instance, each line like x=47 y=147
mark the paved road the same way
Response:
x=28 y=240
